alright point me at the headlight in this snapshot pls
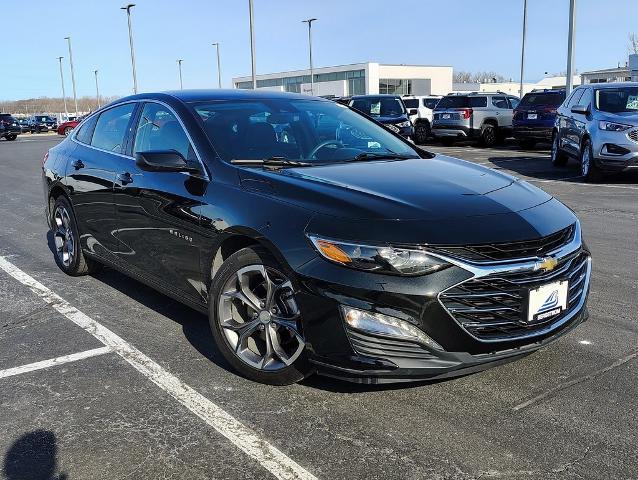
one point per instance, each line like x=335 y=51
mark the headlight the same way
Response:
x=381 y=324
x=613 y=127
x=407 y=123
x=378 y=259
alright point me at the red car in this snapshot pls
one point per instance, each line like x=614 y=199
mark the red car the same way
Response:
x=65 y=127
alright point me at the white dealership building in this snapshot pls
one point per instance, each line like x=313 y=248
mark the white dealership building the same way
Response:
x=358 y=79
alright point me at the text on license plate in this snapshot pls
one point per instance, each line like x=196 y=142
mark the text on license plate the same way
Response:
x=445 y=115
x=532 y=116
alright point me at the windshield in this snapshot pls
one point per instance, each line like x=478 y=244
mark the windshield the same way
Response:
x=617 y=100
x=293 y=129
x=461 y=101
x=379 y=106
x=549 y=99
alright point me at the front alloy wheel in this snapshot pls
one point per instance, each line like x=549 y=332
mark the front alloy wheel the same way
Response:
x=588 y=167
x=63 y=236
x=255 y=318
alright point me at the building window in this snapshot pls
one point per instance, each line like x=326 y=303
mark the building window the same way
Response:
x=395 y=86
x=356 y=86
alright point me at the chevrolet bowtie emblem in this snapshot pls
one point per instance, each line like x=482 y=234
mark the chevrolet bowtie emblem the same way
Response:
x=546 y=264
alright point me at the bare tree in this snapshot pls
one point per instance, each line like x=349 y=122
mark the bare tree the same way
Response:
x=632 y=43
x=478 y=77
x=30 y=106
x=462 y=77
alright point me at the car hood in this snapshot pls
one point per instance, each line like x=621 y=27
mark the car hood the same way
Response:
x=417 y=189
x=393 y=119
x=622 y=117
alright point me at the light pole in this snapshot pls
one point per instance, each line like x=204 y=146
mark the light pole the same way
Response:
x=252 y=43
x=66 y=111
x=219 y=66
x=179 y=67
x=97 y=89
x=523 y=45
x=570 y=47
x=75 y=98
x=312 y=80
x=130 y=41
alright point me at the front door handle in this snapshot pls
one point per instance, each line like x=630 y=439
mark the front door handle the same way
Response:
x=124 y=178
x=77 y=164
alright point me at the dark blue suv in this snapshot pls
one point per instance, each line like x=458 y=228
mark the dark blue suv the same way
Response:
x=388 y=110
x=535 y=115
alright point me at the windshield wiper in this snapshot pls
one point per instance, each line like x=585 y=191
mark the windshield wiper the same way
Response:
x=384 y=156
x=273 y=163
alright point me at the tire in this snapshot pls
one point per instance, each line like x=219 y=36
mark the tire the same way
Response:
x=588 y=167
x=559 y=158
x=447 y=141
x=246 y=325
x=421 y=132
x=67 y=131
x=527 y=143
x=488 y=135
x=11 y=138
x=68 y=254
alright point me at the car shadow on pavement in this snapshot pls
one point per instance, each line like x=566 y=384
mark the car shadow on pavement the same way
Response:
x=33 y=456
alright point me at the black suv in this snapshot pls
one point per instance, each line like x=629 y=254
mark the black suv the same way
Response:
x=9 y=127
x=42 y=123
x=388 y=110
x=338 y=248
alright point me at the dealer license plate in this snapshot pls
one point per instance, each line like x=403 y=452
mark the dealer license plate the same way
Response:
x=547 y=301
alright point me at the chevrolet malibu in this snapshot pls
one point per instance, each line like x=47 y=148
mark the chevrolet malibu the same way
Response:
x=316 y=240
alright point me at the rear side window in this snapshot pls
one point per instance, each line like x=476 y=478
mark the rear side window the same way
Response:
x=110 y=130
x=430 y=103
x=461 y=101
x=411 y=102
x=85 y=132
x=500 y=102
x=543 y=99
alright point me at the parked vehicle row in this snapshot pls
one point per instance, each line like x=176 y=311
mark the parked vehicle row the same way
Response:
x=9 y=127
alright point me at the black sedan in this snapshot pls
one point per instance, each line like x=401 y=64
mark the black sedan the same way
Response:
x=335 y=248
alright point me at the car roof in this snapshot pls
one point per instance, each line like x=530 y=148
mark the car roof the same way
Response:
x=600 y=86
x=376 y=95
x=189 y=96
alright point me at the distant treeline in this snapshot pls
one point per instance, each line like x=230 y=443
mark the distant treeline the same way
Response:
x=32 y=106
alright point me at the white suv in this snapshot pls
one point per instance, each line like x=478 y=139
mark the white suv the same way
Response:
x=423 y=120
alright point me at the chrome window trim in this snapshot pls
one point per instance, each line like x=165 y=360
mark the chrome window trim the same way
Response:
x=204 y=175
x=481 y=270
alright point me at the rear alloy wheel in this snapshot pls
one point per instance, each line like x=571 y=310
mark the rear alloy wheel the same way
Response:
x=255 y=319
x=421 y=132
x=67 y=131
x=588 y=167
x=66 y=240
x=559 y=159
x=488 y=135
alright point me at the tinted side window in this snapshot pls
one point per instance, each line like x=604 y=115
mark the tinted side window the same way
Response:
x=86 y=130
x=514 y=102
x=430 y=102
x=160 y=130
x=110 y=130
x=478 y=102
x=500 y=102
x=573 y=100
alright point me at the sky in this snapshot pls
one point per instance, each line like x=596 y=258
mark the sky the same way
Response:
x=469 y=35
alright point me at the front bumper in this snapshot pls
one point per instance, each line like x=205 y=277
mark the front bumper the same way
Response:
x=604 y=141
x=337 y=350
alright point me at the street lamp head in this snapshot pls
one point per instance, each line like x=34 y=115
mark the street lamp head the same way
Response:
x=309 y=21
x=215 y=44
x=127 y=7
x=60 y=58
x=67 y=38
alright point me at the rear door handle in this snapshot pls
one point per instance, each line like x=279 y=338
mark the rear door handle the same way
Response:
x=77 y=164
x=124 y=178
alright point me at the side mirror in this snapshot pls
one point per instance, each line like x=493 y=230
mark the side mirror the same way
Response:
x=581 y=109
x=413 y=111
x=163 y=161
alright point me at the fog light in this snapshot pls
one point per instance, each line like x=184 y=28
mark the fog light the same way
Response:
x=612 y=149
x=385 y=325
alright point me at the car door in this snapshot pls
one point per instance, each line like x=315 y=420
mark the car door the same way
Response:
x=157 y=212
x=580 y=119
x=90 y=175
x=503 y=112
x=569 y=132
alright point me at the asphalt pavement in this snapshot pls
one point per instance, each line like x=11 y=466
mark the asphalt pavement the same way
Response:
x=102 y=377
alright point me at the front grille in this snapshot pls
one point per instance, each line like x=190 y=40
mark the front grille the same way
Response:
x=633 y=135
x=512 y=250
x=493 y=307
x=377 y=346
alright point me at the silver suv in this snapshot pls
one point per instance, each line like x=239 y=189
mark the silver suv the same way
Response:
x=598 y=125
x=485 y=116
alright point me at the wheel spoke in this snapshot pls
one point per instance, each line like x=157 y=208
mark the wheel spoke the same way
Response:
x=287 y=322
x=269 y=347
x=249 y=301
x=250 y=298
x=276 y=346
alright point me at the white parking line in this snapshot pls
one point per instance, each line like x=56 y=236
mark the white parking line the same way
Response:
x=244 y=438
x=52 y=362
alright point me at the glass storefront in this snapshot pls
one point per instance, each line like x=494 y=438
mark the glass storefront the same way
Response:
x=355 y=79
x=395 y=86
